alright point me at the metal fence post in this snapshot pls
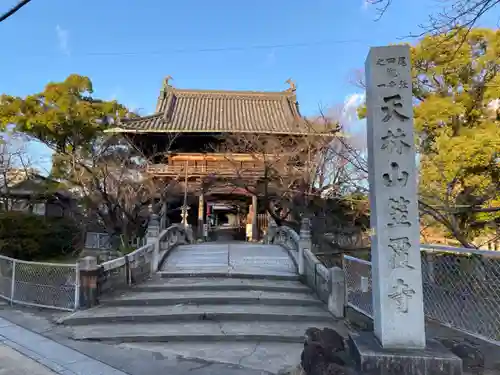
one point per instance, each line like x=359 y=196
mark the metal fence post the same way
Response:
x=77 y=286
x=13 y=281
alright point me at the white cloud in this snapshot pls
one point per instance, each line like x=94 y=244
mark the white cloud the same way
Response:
x=63 y=40
x=351 y=104
x=352 y=125
x=132 y=107
x=6 y=135
x=116 y=93
x=365 y=4
x=494 y=105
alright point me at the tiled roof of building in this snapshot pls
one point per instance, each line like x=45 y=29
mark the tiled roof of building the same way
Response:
x=207 y=111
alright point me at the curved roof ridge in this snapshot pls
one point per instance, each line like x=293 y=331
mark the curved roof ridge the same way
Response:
x=219 y=111
x=139 y=118
x=286 y=93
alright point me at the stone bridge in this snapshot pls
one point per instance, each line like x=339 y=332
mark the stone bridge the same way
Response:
x=248 y=304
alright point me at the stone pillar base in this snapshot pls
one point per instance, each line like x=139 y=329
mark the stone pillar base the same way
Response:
x=372 y=359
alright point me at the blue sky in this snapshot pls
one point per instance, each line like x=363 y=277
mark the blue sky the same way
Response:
x=128 y=47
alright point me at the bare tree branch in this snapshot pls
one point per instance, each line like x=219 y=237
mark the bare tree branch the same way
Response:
x=455 y=14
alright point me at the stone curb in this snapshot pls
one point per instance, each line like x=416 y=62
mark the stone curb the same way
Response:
x=176 y=338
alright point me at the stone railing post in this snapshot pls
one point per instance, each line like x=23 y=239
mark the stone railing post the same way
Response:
x=272 y=229
x=336 y=299
x=430 y=263
x=163 y=217
x=152 y=238
x=304 y=242
x=89 y=273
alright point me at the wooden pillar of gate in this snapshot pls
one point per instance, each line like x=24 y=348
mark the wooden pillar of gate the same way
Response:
x=201 y=217
x=255 y=229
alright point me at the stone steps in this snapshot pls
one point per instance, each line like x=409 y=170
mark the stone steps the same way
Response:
x=237 y=303
x=220 y=297
x=195 y=313
x=226 y=272
x=261 y=316
x=230 y=260
x=222 y=284
x=206 y=331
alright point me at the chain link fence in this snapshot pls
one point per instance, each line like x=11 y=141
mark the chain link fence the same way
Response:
x=358 y=284
x=49 y=285
x=461 y=288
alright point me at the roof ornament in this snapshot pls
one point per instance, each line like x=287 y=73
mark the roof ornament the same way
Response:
x=292 y=84
x=165 y=81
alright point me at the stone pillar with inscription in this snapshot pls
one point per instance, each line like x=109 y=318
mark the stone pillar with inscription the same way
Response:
x=397 y=276
x=397 y=295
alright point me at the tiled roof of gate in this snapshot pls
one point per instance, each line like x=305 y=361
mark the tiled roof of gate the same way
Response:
x=207 y=111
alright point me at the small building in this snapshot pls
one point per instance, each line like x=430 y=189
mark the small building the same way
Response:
x=37 y=194
x=183 y=141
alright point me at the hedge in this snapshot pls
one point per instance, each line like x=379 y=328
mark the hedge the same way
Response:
x=31 y=237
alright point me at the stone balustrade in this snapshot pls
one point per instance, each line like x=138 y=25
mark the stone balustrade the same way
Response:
x=176 y=234
x=327 y=283
x=97 y=280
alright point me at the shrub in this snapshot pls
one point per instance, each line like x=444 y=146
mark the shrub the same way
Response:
x=31 y=237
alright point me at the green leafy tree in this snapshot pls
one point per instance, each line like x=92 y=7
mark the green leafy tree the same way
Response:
x=64 y=116
x=456 y=89
x=104 y=171
x=31 y=237
x=457 y=117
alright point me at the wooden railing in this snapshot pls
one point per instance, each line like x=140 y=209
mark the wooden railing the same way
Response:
x=201 y=170
x=218 y=170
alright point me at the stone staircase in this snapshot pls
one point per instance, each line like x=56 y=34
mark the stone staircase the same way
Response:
x=202 y=317
x=208 y=309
